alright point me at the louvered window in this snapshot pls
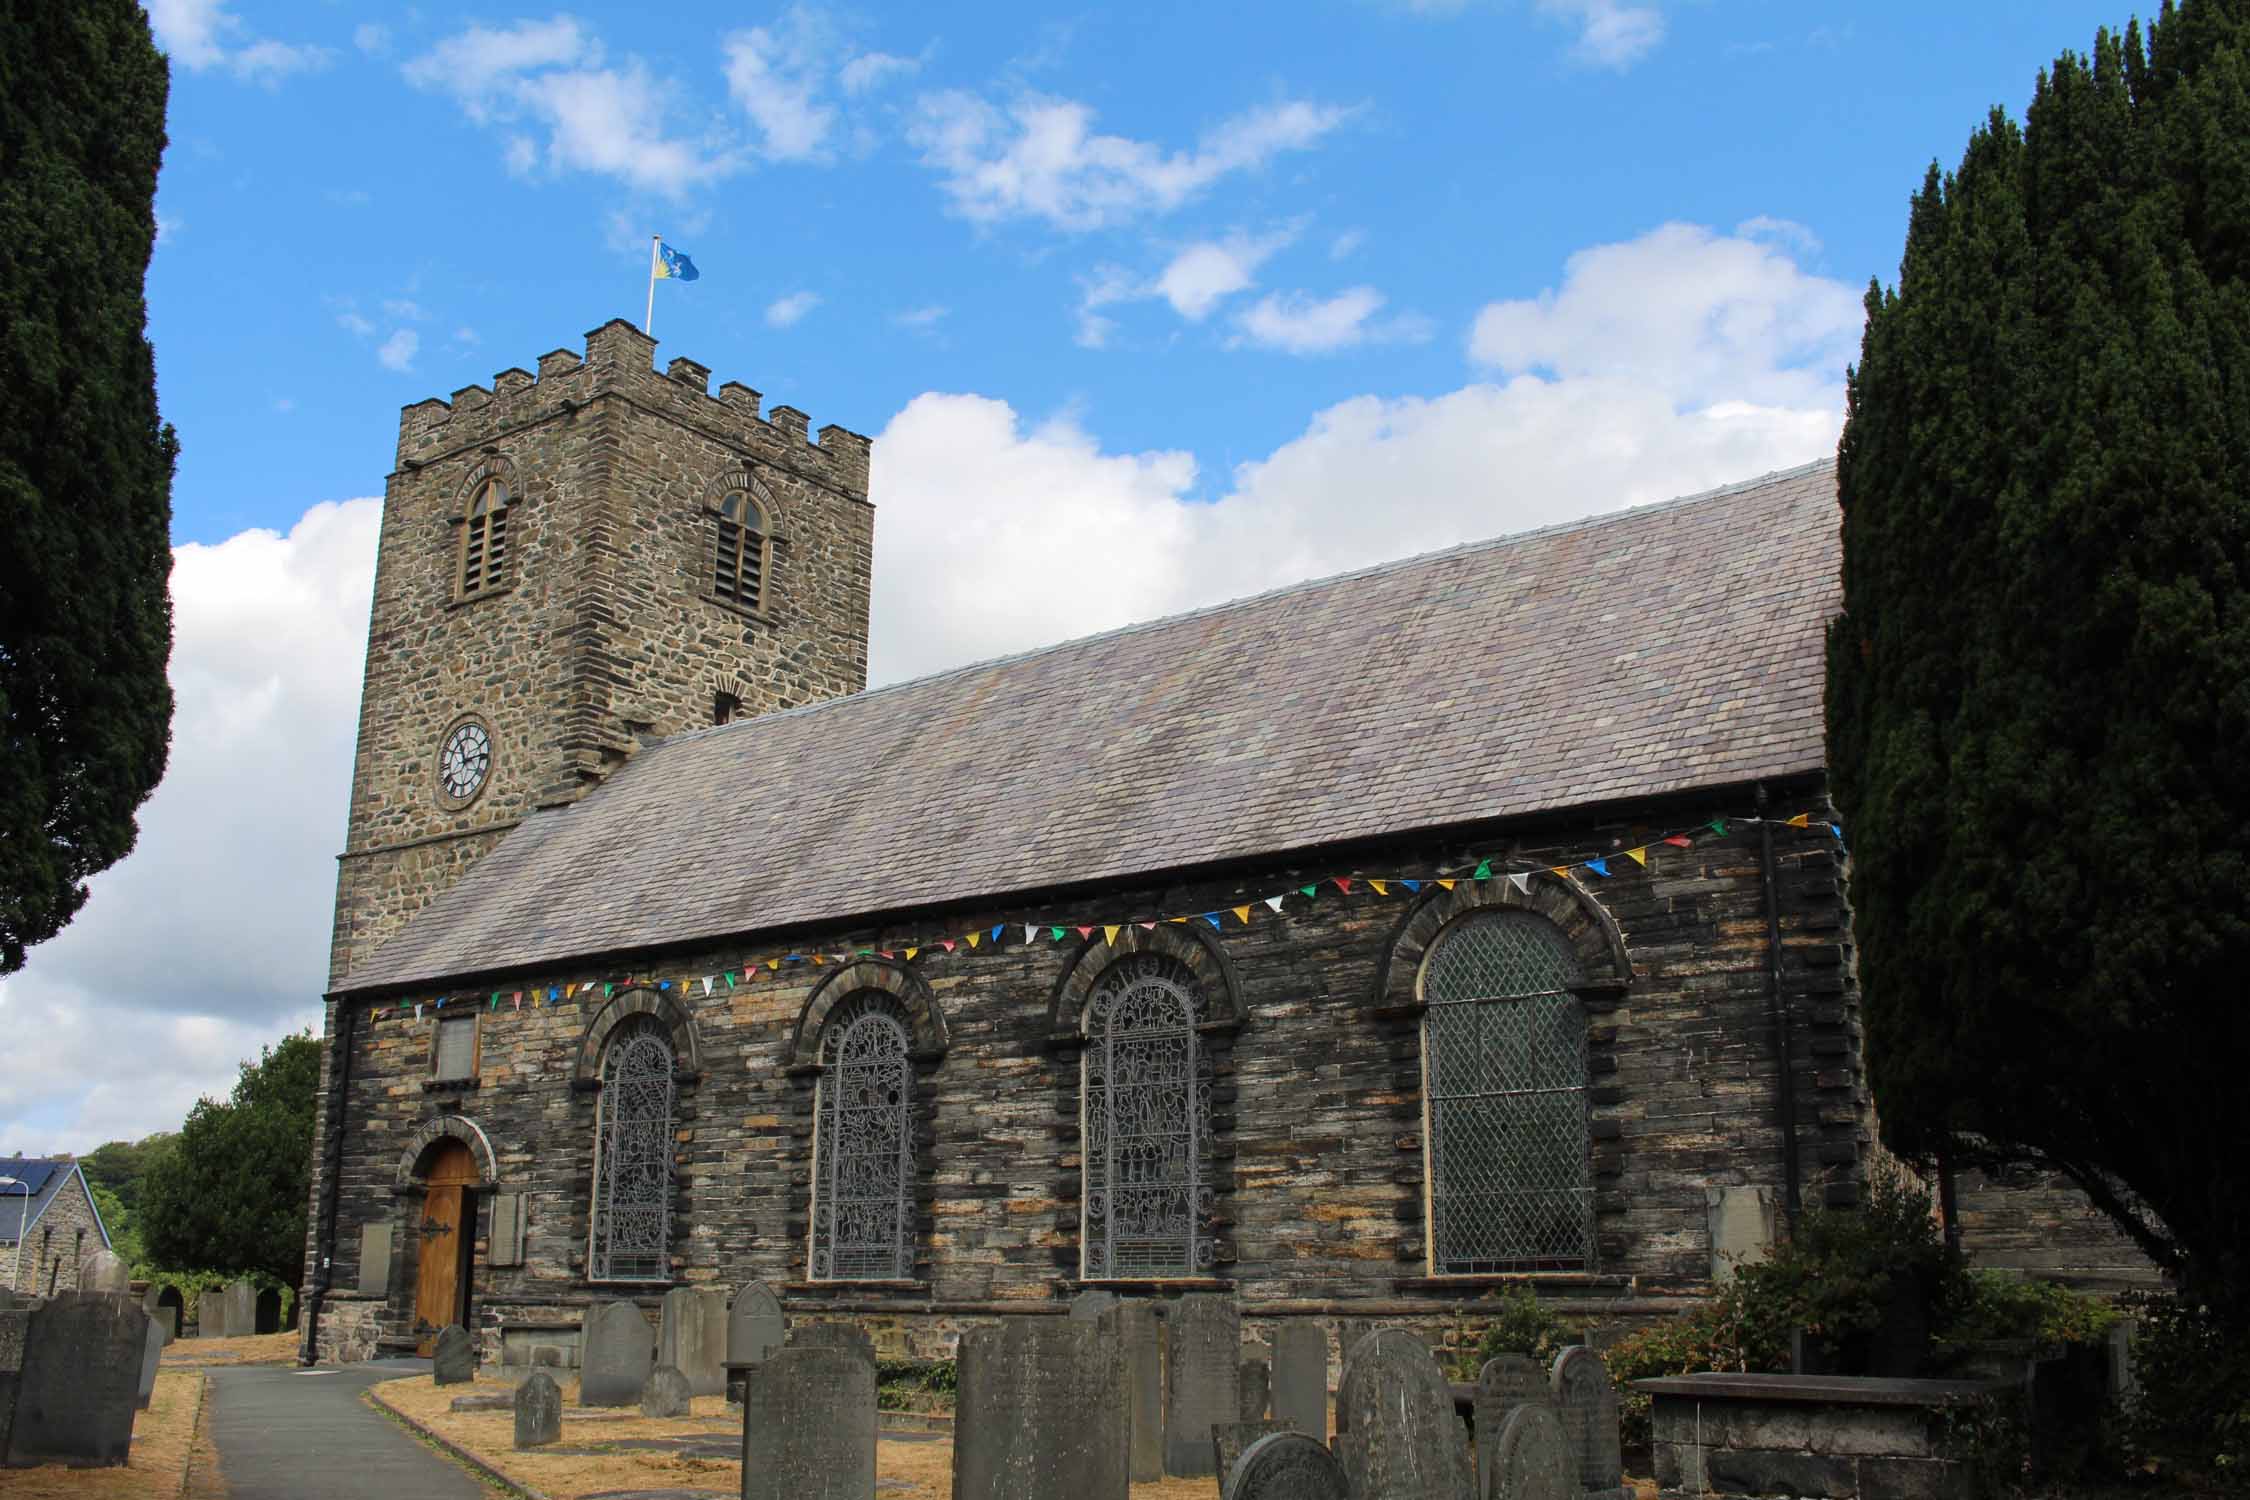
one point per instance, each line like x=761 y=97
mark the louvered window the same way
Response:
x=863 y=1159
x=744 y=551
x=457 y=1048
x=633 y=1171
x=1147 y=1102
x=1504 y=1073
x=484 y=541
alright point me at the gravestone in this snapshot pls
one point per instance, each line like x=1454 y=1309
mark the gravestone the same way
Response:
x=1396 y=1434
x=169 y=1307
x=616 y=1352
x=1087 y=1306
x=99 y=1270
x=1300 y=1376
x=1254 y=1392
x=152 y=1355
x=692 y=1337
x=849 y=1337
x=1586 y=1404
x=755 y=1326
x=1201 y=1379
x=1143 y=1333
x=455 y=1362
x=15 y=1325
x=1350 y=1334
x=1506 y=1382
x=268 y=1314
x=211 y=1313
x=1286 y=1466
x=1042 y=1412
x=79 y=1384
x=374 y=1260
x=242 y=1308
x=666 y=1393
x=1530 y=1458
x=1229 y=1440
x=538 y=1411
x=808 y=1426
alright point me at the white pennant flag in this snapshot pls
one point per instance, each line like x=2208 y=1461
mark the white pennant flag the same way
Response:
x=417 y=1010
x=1029 y=932
x=1522 y=883
x=706 y=984
x=1273 y=902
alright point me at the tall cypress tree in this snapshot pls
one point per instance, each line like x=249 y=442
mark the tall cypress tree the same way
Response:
x=85 y=461
x=2039 y=689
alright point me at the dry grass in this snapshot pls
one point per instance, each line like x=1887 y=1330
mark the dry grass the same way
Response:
x=253 y=1349
x=924 y=1470
x=161 y=1439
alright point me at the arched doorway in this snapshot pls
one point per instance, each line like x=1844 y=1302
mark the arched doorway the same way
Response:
x=448 y=1170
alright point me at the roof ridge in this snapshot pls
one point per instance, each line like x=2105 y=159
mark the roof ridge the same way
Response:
x=1244 y=601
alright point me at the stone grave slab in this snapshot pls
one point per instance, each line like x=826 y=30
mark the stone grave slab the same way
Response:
x=168 y=1306
x=152 y=1355
x=666 y=1393
x=267 y=1316
x=211 y=1313
x=808 y=1426
x=692 y=1337
x=15 y=1324
x=849 y=1337
x=755 y=1328
x=454 y=1361
x=1201 y=1379
x=1143 y=1333
x=1229 y=1440
x=1300 y=1376
x=1286 y=1466
x=1042 y=1412
x=78 y=1387
x=484 y=1401
x=616 y=1353
x=538 y=1404
x=242 y=1308
x=100 y=1270
x=1397 y=1436
x=1585 y=1403
x=1506 y=1382
x=1530 y=1458
x=1253 y=1386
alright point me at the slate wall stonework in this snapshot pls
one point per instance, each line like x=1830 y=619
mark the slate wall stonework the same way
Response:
x=53 y=1245
x=1318 y=1163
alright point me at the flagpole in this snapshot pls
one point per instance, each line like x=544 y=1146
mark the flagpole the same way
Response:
x=649 y=317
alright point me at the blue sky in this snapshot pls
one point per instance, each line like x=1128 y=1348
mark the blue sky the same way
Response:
x=1145 y=308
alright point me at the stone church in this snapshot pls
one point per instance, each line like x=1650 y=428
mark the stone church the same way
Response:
x=1360 y=949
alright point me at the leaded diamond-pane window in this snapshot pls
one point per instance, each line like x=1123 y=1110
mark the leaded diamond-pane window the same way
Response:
x=1147 y=1100
x=1504 y=1072
x=863 y=1161
x=633 y=1176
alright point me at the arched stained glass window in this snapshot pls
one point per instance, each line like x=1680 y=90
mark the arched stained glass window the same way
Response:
x=863 y=1156
x=484 y=541
x=740 y=577
x=1504 y=1079
x=633 y=1171
x=1147 y=1102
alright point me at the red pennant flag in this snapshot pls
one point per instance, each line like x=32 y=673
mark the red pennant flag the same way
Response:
x=1680 y=841
x=948 y=944
x=1343 y=885
x=1085 y=932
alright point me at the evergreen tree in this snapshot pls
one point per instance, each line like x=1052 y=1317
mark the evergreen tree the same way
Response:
x=229 y=1191
x=2039 y=689
x=85 y=462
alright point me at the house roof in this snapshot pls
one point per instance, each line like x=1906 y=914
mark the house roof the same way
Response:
x=1634 y=654
x=43 y=1179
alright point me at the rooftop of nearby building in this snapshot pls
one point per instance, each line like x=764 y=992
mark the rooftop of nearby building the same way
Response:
x=1631 y=655
x=38 y=1180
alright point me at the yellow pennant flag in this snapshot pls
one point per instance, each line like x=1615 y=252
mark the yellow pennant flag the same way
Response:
x=1242 y=915
x=1559 y=870
x=910 y=954
x=1175 y=919
x=820 y=958
x=1382 y=887
x=1109 y=934
x=1802 y=820
x=1637 y=856
x=972 y=937
x=1447 y=884
x=773 y=963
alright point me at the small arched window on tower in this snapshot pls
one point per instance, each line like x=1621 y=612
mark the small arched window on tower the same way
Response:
x=484 y=541
x=745 y=550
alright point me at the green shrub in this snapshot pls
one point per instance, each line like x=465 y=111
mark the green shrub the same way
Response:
x=2191 y=1414
x=914 y=1385
x=1522 y=1324
x=1715 y=1336
x=1999 y=1305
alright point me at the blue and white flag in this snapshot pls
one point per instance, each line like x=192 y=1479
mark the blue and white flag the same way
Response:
x=674 y=264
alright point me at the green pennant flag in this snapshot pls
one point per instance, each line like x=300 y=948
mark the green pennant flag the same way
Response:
x=606 y=989
x=1484 y=870
x=1055 y=934
x=1310 y=890
x=730 y=979
x=495 y=999
x=1718 y=825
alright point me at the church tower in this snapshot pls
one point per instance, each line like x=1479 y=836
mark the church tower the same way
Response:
x=572 y=562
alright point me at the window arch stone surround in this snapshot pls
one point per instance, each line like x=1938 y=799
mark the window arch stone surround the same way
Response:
x=408 y=1176
x=902 y=982
x=621 y=1007
x=1592 y=932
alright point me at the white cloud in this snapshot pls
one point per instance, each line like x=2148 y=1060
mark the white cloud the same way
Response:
x=787 y=312
x=1208 y=272
x=1300 y=323
x=466 y=337
x=784 y=77
x=397 y=352
x=197 y=34
x=371 y=39
x=1611 y=33
x=1039 y=158
x=871 y=70
x=269 y=62
x=168 y=229
x=211 y=938
x=352 y=322
x=552 y=77
x=1345 y=244
x=401 y=307
x=922 y=319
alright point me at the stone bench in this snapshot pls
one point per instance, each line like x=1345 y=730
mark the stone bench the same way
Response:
x=1844 y=1437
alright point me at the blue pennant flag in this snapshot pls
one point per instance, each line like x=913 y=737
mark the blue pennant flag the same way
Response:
x=1412 y=885
x=674 y=265
x=1598 y=866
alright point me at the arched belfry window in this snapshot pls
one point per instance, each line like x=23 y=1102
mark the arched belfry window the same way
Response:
x=1147 y=1103
x=863 y=1145
x=484 y=540
x=745 y=550
x=633 y=1162
x=1504 y=1084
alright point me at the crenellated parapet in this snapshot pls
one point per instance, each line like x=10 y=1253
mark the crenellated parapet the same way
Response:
x=619 y=364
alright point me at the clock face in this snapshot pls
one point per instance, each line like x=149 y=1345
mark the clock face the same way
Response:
x=464 y=760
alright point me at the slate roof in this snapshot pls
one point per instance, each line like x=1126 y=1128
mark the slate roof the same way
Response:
x=1629 y=655
x=44 y=1179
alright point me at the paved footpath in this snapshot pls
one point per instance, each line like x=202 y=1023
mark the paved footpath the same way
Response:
x=286 y=1434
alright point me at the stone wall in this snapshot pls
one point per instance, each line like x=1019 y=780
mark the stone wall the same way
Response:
x=56 y=1239
x=2039 y=1223
x=1317 y=1161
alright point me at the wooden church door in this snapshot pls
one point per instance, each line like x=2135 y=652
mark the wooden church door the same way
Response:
x=449 y=1227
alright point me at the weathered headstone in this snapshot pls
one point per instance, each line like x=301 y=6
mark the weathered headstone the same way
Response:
x=15 y=1325
x=666 y=1393
x=1143 y=1333
x=455 y=1361
x=505 y=1243
x=100 y=1270
x=849 y=1337
x=152 y=1355
x=1529 y=1460
x=1506 y=1382
x=242 y=1308
x=211 y=1313
x=1201 y=1379
x=538 y=1411
x=691 y=1337
x=755 y=1327
x=1254 y=1391
x=616 y=1352
x=1286 y=1466
x=168 y=1310
x=1586 y=1404
x=268 y=1314
x=808 y=1427
x=1397 y=1436
x=1229 y=1440
x=1042 y=1411
x=76 y=1394
x=1090 y=1305
x=1350 y=1334
x=1300 y=1376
